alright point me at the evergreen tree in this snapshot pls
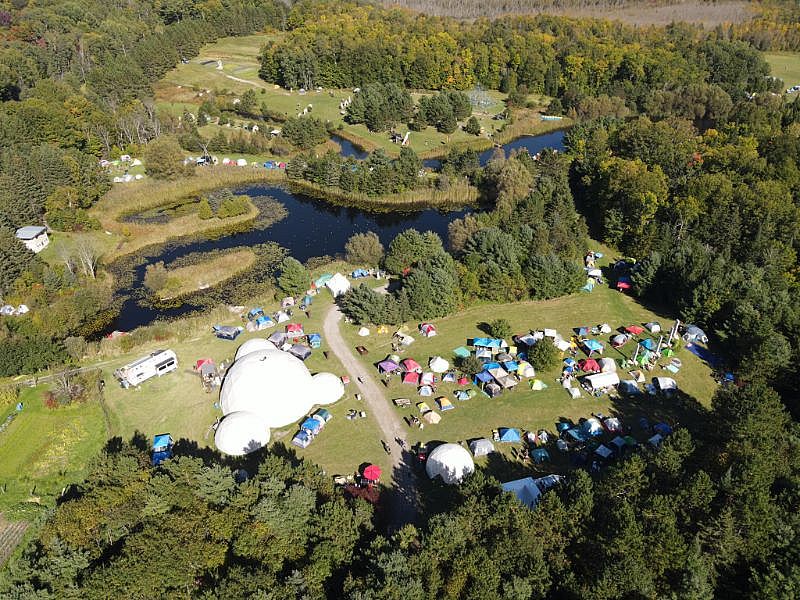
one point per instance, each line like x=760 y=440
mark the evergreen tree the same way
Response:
x=294 y=278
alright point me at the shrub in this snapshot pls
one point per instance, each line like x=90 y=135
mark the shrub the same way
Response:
x=543 y=356
x=364 y=249
x=473 y=127
x=471 y=365
x=500 y=328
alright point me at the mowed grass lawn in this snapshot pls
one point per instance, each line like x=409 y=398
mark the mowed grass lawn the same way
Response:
x=184 y=88
x=785 y=65
x=44 y=449
x=534 y=410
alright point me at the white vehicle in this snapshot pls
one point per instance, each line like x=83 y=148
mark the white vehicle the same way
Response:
x=156 y=364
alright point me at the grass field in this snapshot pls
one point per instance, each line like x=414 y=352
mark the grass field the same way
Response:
x=534 y=410
x=785 y=65
x=186 y=86
x=45 y=449
x=188 y=279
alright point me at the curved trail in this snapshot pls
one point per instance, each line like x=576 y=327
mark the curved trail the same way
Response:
x=404 y=489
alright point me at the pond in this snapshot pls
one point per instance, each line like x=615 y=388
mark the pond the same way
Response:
x=311 y=228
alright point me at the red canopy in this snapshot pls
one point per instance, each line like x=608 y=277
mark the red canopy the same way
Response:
x=634 y=329
x=372 y=472
x=589 y=365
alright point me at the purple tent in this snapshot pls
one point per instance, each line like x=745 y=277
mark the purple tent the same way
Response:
x=387 y=366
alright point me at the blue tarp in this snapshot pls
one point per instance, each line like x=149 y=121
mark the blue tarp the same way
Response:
x=509 y=434
x=162 y=441
x=562 y=426
x=491 y=365
x=483 y=377
x=569 y=361
x=704 y=354
x=593 y=346
x=307 y=300
x=511 y=366
x=487 y=343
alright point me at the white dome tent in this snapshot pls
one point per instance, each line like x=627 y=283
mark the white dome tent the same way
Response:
x=438 y=364
x=253 y=345
x=451 y=462
x=272 y=389
x=241 y=433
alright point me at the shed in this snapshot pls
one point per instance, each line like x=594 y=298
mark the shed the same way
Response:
x=34 y=237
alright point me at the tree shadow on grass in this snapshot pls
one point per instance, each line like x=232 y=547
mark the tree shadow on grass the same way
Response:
x=679 y=410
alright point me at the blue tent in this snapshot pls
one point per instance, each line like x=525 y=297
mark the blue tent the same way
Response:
x=569 y=361
x=563 y=426
x=509 y=434
x=592 y=346
x=264 y=321
x=461 y=352
x=312 y=426
x=483 y=377
x=648 y=343
x=162 y=448
x=254 y=312
x=577 y=434
x=581 y=330
x=487 y=343
x=314 y=340
x=539 y=455
x=358 y=273
x=301 y=439
x=491 y=365
x=511 y=366
x=662 y=428
x=307 y=300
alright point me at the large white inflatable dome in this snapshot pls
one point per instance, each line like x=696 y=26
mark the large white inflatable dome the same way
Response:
x=270 y=383
x=241 y=433
x=254 y=345
x=328 y=388
x=451 y=462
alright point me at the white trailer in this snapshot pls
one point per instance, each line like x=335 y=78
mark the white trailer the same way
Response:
x=156 y=364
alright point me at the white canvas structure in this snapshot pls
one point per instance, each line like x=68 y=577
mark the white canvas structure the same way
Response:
x=551 y=333
x=605 y=328
x=451 y=462
x=525 y=369
x=281 y=316
x=338 y=285
x=481 y=447
x=653 y=327
x=241 y=433
x=328 y=387
x=665 y=384
x=594 y=273
x=562 y=344
x=438 y=364
x=275 y=385
x=363 y=332
x=599 y=381
x=525 y=490
x=253 y=345
x=34 y=237
x=241 y=162
x=607 y=365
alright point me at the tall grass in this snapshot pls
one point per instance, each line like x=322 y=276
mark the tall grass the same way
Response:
x=528 y=122
x=188 y=279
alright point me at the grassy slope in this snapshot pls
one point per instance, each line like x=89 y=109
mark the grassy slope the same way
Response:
x=535 y=410
x=184 y=87
x=785 y=65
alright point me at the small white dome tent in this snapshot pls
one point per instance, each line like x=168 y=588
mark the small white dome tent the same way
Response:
x=438 y=364
x=451 y=462
x=241 y=433
x=253 y=345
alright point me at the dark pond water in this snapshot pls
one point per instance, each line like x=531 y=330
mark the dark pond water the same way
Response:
x=311 y=228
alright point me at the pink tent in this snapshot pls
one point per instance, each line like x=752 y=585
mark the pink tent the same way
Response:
x=410 y=364
x=589 y=365
x=411 y=377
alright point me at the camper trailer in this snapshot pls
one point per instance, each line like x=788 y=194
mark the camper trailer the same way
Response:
x=158 y=363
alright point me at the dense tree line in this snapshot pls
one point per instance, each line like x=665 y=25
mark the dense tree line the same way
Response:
x=712 y=513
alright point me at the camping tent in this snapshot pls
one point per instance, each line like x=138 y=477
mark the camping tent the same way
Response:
x=372 y=473
x=629 y=388
x=607 y=365
x=431 y=417
x=277 y=339
x=695 y=334
x=427 y=329
x=264 y=322
x=481 y=447
x=388 y=366
x=322 y=280
x=612 y=424
x=312 y=426
x=592 y=346
x=444 y=404
x=538 y=385
x=426 y=390
x=665 y=384
x=604 y=328
x=314 y=340
x=423 y=407
x=227 y=332
x=363 y=332
x=411 y=377
x=653 y=327
x=451 y=462
x=601 y=380
x=438 y=364
x=241 y=433
x=300 y=351
x=562 y=345
x=492 y=390
x=427 y=378
x=461 y=352
x=592 y=427
x=525 y=490
x=338 y=285
x=604 y=452
x=589 y=365
x=525 y=369
x=409 y=364
x=301 y=439
x=634 y=329
x=619 y=340
x=281 y=316
x=464 y=394
x=648 y=343
x=509 y=435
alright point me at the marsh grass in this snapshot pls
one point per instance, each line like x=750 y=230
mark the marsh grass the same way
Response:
x=206 y=273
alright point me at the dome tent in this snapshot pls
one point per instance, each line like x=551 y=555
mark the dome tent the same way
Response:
x=274 y=385
x=451 y=462
x=241 y=433
x=253 y=345
x=438 y=364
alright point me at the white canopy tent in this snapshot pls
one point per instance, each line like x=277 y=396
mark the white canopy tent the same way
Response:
x=338 y=285
x=451 y=462
x=438 y=364
x=601 y=380
x=607 y=365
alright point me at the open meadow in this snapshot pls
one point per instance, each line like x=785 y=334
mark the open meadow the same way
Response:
x=186 y=86
x=785 y=65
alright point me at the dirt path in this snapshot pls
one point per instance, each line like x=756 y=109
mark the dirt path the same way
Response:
x=404 y=489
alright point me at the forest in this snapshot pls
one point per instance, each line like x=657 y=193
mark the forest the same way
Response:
x=696 y=181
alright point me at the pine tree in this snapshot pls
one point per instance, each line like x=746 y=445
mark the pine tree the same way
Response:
x=294 y=279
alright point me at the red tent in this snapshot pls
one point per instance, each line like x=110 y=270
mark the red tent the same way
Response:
x=201 y=361
x=634 y=329
x=623 y=285
x=410 y=364
x=589 y=365
x=411 y=377
x=295 y=328
x=463 y=381
x=372 y=472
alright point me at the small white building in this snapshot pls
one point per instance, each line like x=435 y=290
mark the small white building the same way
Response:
x=34 y=237
x=156 y=364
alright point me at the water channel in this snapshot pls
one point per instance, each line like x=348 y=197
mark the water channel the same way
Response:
x=311 y=228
